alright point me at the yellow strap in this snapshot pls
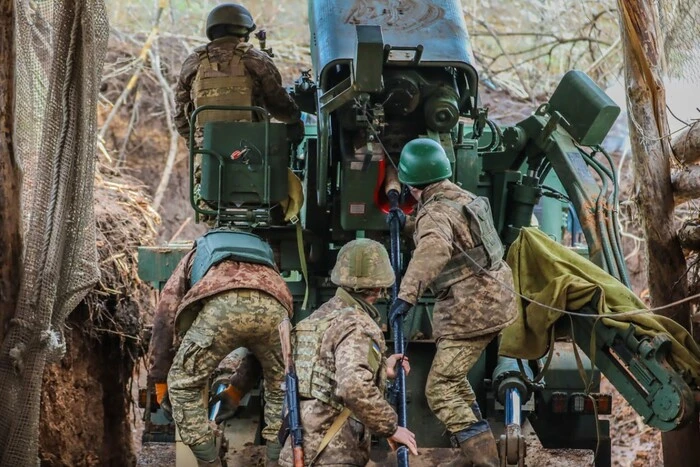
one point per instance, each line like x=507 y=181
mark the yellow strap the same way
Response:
x=332 y=431
x=302 y=259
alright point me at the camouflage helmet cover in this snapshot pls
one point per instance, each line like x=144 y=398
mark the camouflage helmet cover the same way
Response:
x=230 y=14
x=363 y=264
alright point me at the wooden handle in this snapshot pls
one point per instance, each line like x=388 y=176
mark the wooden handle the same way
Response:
x=298 y=456
x=391 y=180
x=285 y=328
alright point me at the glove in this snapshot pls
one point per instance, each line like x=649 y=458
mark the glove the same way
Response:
x=161 y=390
x=295 y=132
x=399 y=309
x=396 y=213
x=230 y=399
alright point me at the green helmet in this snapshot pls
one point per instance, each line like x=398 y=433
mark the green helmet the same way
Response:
x=423 y=161
x=237 y=17
x=363 y=264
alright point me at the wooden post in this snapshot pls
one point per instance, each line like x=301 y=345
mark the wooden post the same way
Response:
x=10 y=219
x=652 y=154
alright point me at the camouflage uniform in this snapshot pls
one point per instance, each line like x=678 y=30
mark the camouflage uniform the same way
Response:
x=241 y=317
x=469 y=311
x=227 y=71
x=349 y=345
x=235 y=304
x=261 y=73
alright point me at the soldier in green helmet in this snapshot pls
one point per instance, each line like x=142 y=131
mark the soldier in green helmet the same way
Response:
x=339 y=357
x=229 y=71
x=458 y=255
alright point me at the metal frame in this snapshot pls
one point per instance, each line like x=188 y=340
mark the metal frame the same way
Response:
x=194 y=150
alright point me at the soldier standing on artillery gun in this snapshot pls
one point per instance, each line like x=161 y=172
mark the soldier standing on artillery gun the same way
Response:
x=339 y=357
x=212 y=308
x=229 y=71
x=459 y=255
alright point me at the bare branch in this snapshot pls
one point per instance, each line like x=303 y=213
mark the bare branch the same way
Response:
x=686 y=184
x=689 y=235
x=168 y=104
x=686 y=145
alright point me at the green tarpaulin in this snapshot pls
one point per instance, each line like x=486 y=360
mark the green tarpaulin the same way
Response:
x=549 y=273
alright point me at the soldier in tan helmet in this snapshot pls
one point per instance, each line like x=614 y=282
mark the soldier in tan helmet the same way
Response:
x=339 y=356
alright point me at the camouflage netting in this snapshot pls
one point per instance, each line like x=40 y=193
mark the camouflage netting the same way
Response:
x=680 y=26
x=60 y=52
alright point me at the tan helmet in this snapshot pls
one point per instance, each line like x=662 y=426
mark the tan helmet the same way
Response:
x=363 y=264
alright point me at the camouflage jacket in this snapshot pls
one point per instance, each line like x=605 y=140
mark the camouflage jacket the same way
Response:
x=345 y=349
x=178 y=302
x=477 y=304
x=268 y=91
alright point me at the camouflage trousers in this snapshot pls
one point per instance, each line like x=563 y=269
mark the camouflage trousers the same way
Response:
x=238 y=318
x=449 y=394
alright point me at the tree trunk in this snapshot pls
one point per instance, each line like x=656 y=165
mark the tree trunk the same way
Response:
x=686 y=145
x=651 y=149
x=686 y=183
x=10 y=219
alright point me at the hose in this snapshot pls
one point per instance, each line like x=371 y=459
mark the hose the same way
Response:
x=611 y=221
x=606 y=244
x=615 y=219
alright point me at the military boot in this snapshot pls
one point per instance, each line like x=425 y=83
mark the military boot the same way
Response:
x=215 y=463
x=481 y=450
x=272 y=454
x=477 y=445
x=206 y=454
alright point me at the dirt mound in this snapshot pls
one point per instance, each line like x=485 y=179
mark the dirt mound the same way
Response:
x=85 y=407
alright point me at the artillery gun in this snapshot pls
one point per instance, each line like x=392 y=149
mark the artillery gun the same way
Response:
x=379 y=80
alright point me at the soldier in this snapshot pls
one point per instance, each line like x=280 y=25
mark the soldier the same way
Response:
x=459 y=255
x=229 y=71
x=339 y=358
x=213 y=303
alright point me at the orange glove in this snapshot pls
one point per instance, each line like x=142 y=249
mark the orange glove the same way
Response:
x=161 y=390
x=230 y=398
x=234 y=394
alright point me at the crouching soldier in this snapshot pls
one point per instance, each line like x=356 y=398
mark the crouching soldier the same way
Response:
x=339 y=358
x=217 y=300
x=459 y=255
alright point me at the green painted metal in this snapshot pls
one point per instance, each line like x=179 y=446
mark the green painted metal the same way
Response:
x=251 y=176
x=243 y=164
x=588 y=112
x=637 y=367
x=368 y=64
x=157 y=263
